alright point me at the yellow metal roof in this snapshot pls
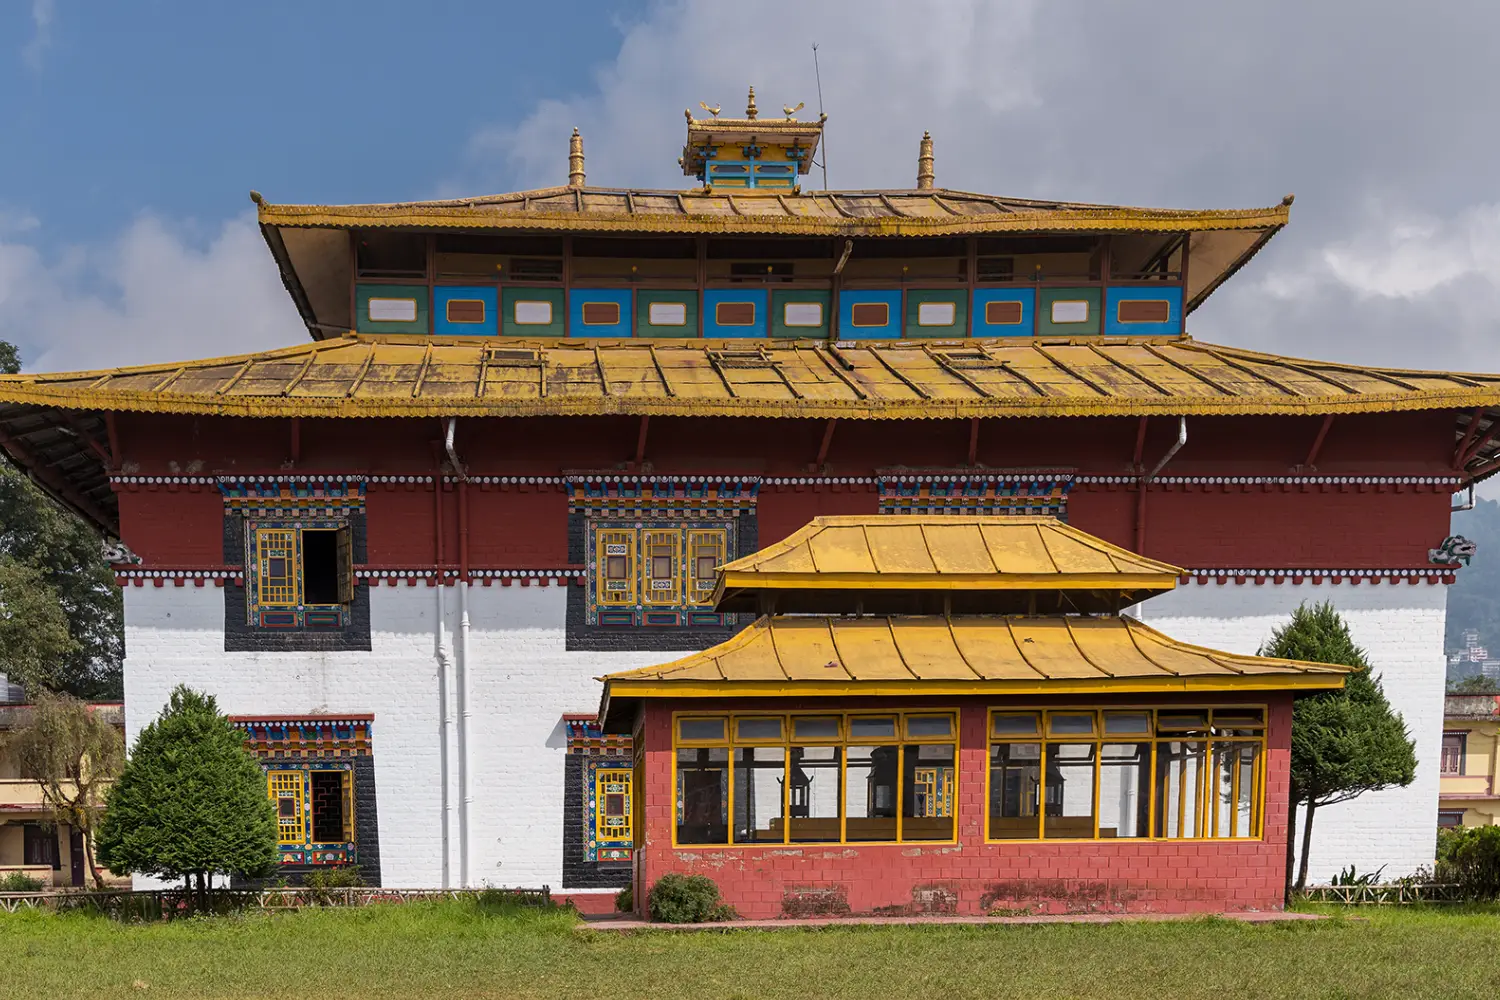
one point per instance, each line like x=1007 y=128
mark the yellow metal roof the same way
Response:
x=944 y=552
x=370 y=376
x=796 y=656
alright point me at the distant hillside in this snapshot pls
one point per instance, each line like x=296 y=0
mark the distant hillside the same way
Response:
x=1474 y=601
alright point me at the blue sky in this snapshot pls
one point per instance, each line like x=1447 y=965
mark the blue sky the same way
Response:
x=132 y=133
x=113 y=109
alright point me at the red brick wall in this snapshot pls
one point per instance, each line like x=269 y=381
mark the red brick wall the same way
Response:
x=972 y=876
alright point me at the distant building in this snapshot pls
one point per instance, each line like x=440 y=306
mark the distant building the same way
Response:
x=1468 y=795
x=29 y=841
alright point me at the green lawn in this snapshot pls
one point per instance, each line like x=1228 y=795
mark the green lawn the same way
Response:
x=455 y=950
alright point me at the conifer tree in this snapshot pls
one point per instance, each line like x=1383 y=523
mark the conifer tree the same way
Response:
x=191 y=802
x=1344 y=743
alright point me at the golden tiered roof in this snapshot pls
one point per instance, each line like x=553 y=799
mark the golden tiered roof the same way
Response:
x=396 y=375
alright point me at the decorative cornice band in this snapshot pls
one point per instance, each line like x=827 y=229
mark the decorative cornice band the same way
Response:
x=1354 y=577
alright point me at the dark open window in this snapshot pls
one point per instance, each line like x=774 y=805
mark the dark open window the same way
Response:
x=391 y=255
x=327 y=566
x=39 y=845
x=329 y=821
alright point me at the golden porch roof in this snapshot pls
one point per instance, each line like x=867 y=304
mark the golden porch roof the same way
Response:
x=874 y=555
x=391 y=375
x=796 y=656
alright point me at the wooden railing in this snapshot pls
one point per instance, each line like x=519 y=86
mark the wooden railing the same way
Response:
x=1384 y=894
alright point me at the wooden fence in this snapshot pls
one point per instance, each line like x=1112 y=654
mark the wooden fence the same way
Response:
x=166 y=903
x=1383 y=894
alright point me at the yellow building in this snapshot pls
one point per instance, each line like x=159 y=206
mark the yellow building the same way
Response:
x=30 y=842
x=1468 y=795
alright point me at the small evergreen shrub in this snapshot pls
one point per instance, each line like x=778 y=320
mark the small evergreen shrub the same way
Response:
x=1470 y=859
x=20 y=882
x=625 y=900
x=687 y=899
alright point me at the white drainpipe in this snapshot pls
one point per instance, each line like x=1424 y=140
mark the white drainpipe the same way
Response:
x=445 y=725
x=465 y=796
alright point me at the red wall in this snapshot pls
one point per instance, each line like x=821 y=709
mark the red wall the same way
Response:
x=1103 y=876
x=1387 y=526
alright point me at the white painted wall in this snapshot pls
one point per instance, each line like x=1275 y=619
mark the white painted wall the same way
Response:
x=1400 y=627
x=521 y=683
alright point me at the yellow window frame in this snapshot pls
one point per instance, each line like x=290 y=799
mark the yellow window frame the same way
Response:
x=620 y=543
x=701 y=544
x=1204 y=785
x=280 y=591
x=661 y=543
x=945 y=785
x=289 y=785
x=614 y=781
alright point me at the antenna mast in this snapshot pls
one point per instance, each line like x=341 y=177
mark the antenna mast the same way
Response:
x=819 y=76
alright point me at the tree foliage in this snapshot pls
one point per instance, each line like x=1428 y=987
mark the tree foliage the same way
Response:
x=65 y=553
x=191 y=802
x=1474 y=597
x=34 y=637
x=1344 y=743
x=73 y=753
x=1474 y=684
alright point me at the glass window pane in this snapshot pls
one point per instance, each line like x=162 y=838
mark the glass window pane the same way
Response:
x=1196 y=721
x=1015 y=725
x=920 y=726
x=1125 y=790
x=1070 y=723
x=929 y=783
x=759 y=776
x=757 y=729
x=700 y=729
x=814 y=805
x=1179 y=780
x=816 y=728
x=870 y=793
x=872 y=728
x=1069 y=791
x=1234 y=799
x=1127 y=722
x=703 y=795
x=1239 y=718
x=1015 y=777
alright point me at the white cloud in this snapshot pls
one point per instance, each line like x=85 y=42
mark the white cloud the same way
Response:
x=42 y=13
x=150 y=295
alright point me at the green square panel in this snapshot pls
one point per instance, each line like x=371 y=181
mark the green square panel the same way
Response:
x=390 y=308
x=532 y=312
x=937 y=312
x=666 y=313
x=1067 y=312
x=798 y=312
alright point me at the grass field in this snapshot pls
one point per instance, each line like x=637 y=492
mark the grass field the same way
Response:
x=456 y=950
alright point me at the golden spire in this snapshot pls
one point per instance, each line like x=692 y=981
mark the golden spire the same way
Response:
x=750 y=110
x=575 y=160
x=924 y=163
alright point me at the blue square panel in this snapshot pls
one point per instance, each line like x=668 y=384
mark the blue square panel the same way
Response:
x=1004 y=312
x=472 y=311
x=734 y=312
x=600 y=312
x=1143 y=311
x=869 y=314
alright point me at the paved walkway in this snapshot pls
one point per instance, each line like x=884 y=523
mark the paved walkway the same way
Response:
x=630 y=923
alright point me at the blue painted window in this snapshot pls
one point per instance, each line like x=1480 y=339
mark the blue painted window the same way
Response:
x=734 y=312
x=1004 y=312
x=869 y=314
x=466 y=311
x=600 y=312
x=1143 y=311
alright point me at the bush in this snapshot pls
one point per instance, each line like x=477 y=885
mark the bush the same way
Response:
x=1470 y=859
x=687 y=899
x=502 y=901
x=625 y=900
x=20 y=882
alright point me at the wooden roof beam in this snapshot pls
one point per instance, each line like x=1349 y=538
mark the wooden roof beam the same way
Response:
x=46 y=473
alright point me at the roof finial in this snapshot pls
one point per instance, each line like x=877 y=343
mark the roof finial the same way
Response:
x=750 y=109
x=575 y=160
x=924 y=163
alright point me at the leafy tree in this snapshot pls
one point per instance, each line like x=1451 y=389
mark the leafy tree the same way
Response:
x=38 y=533
x=1344 y=743
x=34 y=637
x=191 y=802
x=1474 y=597
x=1474 y=684
x=73 y=753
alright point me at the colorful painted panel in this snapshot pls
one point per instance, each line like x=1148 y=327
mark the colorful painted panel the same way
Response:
x=599 y=312
x=608 y=790
x=1068 y=312
x=333 y=736
x=472 y=311
x=1143 y=310
x=937 y=312
x=666 y=313
x=1004 y=312
x=798 y=312
x=735 y=312
x=390 y=308
x=869 y=314
x=653 y=572
x=1042 y=493
x=670 y=496
x=532 y=312
x=312 y=496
